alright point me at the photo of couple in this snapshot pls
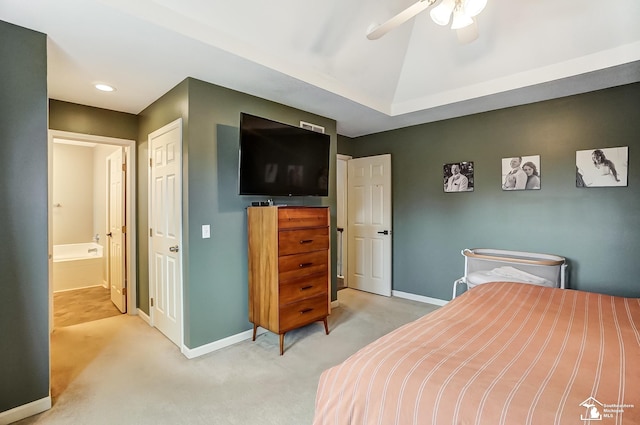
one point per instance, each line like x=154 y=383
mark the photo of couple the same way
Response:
x=521 y=173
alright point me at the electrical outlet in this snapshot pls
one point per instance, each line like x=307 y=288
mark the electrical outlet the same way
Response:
x=206 y=231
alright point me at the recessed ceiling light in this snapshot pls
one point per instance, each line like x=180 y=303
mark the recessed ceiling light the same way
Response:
x=104 y=87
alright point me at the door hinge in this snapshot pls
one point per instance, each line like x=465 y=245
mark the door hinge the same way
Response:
x=124 y=291
x=124 y=229
x=151 y=302
x=150 y=162
x=150 y=232
x=124 y=167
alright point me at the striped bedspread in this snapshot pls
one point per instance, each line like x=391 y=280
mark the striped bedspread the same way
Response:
x=502 y=353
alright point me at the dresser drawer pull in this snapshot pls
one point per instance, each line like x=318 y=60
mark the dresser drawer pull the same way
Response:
x=302 y=265
x=306 y=310
x=304 y=288
x=306 y=241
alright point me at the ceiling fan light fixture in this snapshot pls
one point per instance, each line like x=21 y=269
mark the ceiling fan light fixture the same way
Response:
x=474 y=7
x=460 y=20
x=462 y=11
x=468 y=34
x=441 y=14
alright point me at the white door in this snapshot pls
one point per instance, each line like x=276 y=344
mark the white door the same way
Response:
x=341 y=216
x=165 y=222
x=116 y=228
x=369 y=217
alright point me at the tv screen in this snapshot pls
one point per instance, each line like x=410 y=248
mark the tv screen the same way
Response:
x=278 y=159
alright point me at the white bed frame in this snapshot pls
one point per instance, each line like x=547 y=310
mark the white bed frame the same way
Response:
x=547 y=266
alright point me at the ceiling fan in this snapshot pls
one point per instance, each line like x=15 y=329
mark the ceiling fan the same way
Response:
x=462 y=11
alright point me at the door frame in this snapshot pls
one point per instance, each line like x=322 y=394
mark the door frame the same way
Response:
x=342 y=204
x=130 y=211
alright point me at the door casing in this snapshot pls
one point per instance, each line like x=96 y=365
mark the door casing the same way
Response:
x=341 y=213
x=130 y=211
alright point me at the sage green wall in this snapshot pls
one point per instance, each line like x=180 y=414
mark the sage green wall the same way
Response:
x=66 y=116
x=215 y=269
x=217 y=290
x=24 y=270
x=597 y=229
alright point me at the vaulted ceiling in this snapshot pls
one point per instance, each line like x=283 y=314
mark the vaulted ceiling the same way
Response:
x=314 y=55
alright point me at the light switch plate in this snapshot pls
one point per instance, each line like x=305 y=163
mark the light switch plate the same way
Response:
x=206 y=231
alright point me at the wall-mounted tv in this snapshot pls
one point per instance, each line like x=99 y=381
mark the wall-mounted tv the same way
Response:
x=278 y=159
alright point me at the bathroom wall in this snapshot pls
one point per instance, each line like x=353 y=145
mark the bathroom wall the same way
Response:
x=80 y=187
x=73 y=195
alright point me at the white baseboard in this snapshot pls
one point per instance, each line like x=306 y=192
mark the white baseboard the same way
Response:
x=24 y=411
x=144 y=316
x=79 y=287
x=420 y=298
x=192 y=353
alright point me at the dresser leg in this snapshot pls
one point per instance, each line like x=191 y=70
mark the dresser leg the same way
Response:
x=326 y=327
x=281 y=344
x=255 y=327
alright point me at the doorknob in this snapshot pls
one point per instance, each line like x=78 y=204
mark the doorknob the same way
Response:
x=384 y=232
x=109 y=234
x=174 y=248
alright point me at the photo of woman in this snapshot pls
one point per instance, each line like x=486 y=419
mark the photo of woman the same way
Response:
x=533 y=178
x=521 y=173
x=602 y=167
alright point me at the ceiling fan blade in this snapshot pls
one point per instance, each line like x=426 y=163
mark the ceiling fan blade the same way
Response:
x=469 y=33
x=399 y=19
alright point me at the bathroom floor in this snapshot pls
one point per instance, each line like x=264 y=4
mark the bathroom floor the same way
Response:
x=81 y=306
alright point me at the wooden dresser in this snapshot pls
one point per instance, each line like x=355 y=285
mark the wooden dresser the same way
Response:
x=289 y=263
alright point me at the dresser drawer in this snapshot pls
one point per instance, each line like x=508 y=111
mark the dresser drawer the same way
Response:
x=303 y=240
x=297 y=266
x=303 y=312
x=303 y=288
x=291 y=218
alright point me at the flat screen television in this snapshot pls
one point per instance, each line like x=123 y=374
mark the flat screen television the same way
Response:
x=278 y=159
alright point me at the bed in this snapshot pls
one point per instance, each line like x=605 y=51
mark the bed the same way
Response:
x=501 y=353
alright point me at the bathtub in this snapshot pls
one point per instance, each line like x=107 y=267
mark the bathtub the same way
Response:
x=77 y=265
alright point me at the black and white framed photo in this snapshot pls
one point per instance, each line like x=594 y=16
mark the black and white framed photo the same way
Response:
x=602 y=167
x=458 y=176
x=521 y=173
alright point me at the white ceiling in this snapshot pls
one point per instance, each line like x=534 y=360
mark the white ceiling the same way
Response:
x=314 y=55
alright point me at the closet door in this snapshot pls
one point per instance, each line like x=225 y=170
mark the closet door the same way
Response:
x=369 y=218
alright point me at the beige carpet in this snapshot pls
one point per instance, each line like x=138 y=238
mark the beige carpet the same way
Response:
x=82 y=305
x=120 y=371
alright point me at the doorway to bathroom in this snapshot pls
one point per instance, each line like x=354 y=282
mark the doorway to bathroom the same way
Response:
x=91 y=228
